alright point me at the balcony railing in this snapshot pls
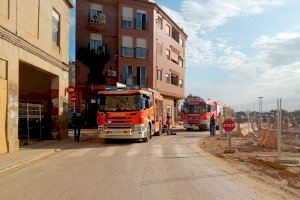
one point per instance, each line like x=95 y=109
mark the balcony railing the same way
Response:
x=97 y=21
x=139 y=25
x=98 y=49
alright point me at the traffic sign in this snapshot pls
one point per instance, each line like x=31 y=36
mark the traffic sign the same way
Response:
x=73 y=98
x=228 y=125
x=71 y=89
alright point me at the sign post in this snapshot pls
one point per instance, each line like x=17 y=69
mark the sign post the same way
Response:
x=74 y=99
x=229 y=126
x=71 y=91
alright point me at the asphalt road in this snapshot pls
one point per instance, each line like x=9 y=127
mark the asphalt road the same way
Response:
x=168 y=167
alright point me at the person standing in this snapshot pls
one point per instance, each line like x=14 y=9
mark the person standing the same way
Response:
x=212 y=125
x=169 y=122
x=76 y=121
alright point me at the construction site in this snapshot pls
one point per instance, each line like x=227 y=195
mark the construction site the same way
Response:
x=265 y=142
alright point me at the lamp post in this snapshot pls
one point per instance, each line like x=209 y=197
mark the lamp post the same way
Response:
x=260 y=108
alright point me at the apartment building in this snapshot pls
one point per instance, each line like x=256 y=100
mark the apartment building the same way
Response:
x=34 y=57
x=140 y=43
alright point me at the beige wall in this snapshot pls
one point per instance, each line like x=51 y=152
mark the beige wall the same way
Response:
x=160 y=61
x=28 y=39
x=32 y=20
x=3 y=101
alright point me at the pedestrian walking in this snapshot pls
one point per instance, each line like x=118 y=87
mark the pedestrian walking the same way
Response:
x=212 y=126
x=77 y=121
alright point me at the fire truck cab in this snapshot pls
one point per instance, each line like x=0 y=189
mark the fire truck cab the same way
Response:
x=129 y=113
x=197 y=112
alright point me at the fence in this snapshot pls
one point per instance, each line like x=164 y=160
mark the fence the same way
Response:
x=277 y=120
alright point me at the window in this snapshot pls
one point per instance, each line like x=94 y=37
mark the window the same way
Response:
x=141 y=20
x=181 y=83
x=174 y=57
x=167 y=77
x=95 y=13
x=127 y=46
x=174 y=79
x=159 y=49
x=159 y=75
x=55 y=28
x=160 y=22
x=168 y=30
x=96 y=43
x=181 y=41
x=127 y=75
x=127 y=17
x=168 y=56
x=141 y=48
x=180 y=62
x=142 y=76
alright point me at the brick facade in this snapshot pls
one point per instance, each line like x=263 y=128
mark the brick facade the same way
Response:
x=112 y=32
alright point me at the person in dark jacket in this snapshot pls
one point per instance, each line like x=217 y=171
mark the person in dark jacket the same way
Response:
x=77 y=121
x=212 y=126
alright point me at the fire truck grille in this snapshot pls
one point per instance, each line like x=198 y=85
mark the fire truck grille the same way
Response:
x=194 y=121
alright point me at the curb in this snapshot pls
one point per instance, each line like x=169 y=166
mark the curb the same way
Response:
x=28 y=161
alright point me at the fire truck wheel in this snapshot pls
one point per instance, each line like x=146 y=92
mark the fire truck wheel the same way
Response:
x=189 y=129
x=148 y=134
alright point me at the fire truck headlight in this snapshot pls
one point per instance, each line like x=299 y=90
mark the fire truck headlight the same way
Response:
x=139 y=128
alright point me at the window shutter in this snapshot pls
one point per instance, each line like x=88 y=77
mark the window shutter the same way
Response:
x=174 y=56
x=94 y=36
x=127 y=13
x=127 y=42
x=142 y=43
x=98 y=7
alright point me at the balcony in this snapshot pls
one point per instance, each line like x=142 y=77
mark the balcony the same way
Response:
x=97 y=22
x=135 y=24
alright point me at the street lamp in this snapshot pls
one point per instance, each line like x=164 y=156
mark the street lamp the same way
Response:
x=260 y=108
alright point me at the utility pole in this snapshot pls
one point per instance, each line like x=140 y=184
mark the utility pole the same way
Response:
x=260 y=108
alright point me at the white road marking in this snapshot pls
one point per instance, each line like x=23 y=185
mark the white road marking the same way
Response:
x=80 y=152
x=109 y=151
x=157 y=150
x=134 y=150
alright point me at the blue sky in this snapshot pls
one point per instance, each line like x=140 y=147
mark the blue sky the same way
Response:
x=239 y=49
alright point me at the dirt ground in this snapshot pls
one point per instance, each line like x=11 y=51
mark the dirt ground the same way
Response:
x=258 y=160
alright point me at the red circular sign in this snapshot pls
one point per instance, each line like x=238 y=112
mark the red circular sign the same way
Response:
x=73 y=98
x=228 y=125
x=71 y=89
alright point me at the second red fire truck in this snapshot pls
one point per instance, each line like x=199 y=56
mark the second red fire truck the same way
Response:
x=197 y=112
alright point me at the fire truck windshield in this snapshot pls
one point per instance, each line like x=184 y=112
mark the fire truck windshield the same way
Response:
x=119 y=103
x=195 y=109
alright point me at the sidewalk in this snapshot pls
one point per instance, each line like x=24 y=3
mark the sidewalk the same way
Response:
x=39 y=150
x=31 y=153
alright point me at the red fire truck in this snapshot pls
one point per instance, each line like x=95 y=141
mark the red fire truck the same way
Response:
x=196 y=113
x=129 y=113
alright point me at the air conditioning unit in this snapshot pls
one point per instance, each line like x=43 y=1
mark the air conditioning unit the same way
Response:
x=94 y=18
x=112 y=73
x=102 y=18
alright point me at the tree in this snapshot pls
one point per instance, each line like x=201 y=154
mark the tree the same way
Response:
x=193 y=96
x=241 y=113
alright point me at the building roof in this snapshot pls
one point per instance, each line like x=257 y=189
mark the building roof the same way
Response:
x=69 y=3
